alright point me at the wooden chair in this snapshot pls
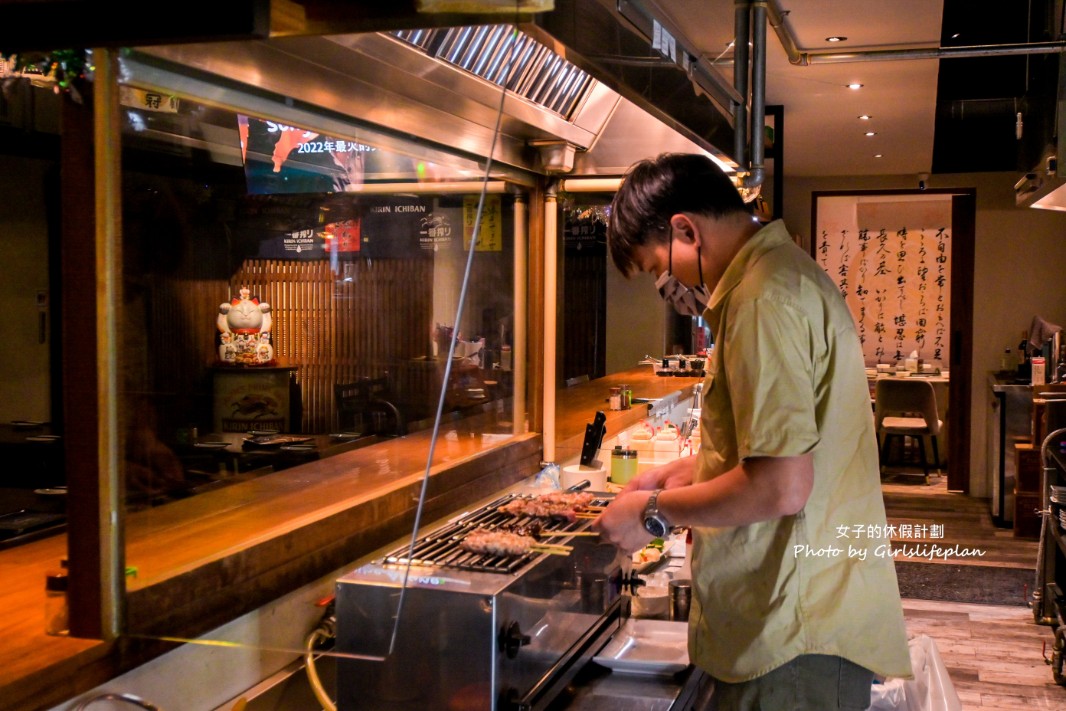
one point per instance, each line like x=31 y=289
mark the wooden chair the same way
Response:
x=906 y=408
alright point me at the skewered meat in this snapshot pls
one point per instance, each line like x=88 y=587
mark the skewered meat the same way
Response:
x=558 y=505
x=531 y=529
x=497 y=543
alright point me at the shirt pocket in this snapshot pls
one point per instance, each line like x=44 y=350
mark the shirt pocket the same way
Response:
x=717 y=429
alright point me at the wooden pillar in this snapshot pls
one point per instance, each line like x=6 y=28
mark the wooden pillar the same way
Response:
x=90 y=239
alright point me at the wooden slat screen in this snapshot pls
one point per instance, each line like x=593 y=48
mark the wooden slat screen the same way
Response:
x=368 y=318
x=333 y=323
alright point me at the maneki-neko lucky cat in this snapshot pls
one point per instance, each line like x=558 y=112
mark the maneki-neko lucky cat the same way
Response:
x=244 y=325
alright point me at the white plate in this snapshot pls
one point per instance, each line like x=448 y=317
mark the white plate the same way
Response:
x=641 y=568
x=657 y=647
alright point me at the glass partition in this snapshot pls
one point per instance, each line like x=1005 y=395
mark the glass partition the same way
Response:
x=289 y=334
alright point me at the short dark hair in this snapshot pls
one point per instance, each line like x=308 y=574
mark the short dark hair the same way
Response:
x=654 y=190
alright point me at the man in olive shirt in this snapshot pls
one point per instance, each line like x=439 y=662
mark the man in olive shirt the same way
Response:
x=796 y=603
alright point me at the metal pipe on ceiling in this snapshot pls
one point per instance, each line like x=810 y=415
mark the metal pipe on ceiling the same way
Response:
x=741 y=32
x=750 y=18
x=990 y=50
x=756 y=170
x=778 y=21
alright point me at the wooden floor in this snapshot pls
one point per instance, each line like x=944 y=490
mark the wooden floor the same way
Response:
x=994 y=654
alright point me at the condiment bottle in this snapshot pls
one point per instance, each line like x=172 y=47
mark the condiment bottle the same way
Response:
x=623 y=465
x=56 y=615
x=1038 y=371
x=616 y=398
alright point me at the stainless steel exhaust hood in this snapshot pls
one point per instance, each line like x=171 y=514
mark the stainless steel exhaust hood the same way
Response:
x=440 y=86
x=1045 y=186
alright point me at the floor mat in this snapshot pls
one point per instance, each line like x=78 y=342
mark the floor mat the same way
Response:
x=982 y=584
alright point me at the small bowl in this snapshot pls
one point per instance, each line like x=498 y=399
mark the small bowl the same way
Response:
x=651 y=602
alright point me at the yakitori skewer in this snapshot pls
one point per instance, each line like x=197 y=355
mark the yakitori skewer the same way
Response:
x=507 y=543
x=556 y=505
x=536 y=531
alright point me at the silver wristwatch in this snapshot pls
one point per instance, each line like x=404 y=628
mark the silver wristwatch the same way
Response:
x=654 y=521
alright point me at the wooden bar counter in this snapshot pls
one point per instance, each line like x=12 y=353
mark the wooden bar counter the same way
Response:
x=204 y=561
x=208 y=559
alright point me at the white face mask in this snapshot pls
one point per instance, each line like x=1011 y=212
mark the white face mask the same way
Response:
x=685 y=300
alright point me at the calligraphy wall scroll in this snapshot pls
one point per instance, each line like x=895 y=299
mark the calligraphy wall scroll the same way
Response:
x=891 y=259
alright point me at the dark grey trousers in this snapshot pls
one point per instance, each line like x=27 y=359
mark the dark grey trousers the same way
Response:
x=811 y=682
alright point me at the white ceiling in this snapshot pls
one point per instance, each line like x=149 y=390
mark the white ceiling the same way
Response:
x=822 y=134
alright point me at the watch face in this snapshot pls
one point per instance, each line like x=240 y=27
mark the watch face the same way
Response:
x=655 y=527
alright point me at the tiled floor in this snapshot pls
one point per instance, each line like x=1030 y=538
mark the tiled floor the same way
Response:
x=995 y=655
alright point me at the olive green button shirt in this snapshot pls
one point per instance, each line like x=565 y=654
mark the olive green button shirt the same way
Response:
x=787 y=378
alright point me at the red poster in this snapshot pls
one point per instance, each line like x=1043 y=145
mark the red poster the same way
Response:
x=346 y=236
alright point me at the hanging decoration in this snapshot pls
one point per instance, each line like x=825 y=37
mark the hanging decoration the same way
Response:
x=61 y=69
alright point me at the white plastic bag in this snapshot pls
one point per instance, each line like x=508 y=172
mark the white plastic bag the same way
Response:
x=930 y=689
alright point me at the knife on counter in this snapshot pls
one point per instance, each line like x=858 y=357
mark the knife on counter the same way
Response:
x=594 y=432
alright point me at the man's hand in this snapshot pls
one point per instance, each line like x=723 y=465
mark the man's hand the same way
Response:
x=678 y=472
x=622 y=523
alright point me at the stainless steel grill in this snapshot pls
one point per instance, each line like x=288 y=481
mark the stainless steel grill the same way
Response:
x=488 y=632
x=442 y=547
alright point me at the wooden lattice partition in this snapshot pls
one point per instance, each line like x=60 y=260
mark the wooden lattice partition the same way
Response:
x=365 y=318
x=333 y=322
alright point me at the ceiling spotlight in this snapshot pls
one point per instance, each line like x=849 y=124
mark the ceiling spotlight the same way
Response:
x=865 y=117
x=835 y=38
x=878 y=155
x=854 y=85
x=871 y=133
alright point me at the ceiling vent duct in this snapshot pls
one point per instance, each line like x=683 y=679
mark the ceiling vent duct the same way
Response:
x=1044 y=187
x=555 y=156
x=506 y=57
x=615 y=41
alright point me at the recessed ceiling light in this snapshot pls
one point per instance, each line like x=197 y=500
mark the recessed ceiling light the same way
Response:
x=835 y=38
x=878 y=155
x=871 y=133
x=865 y=117
x=854 y=85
